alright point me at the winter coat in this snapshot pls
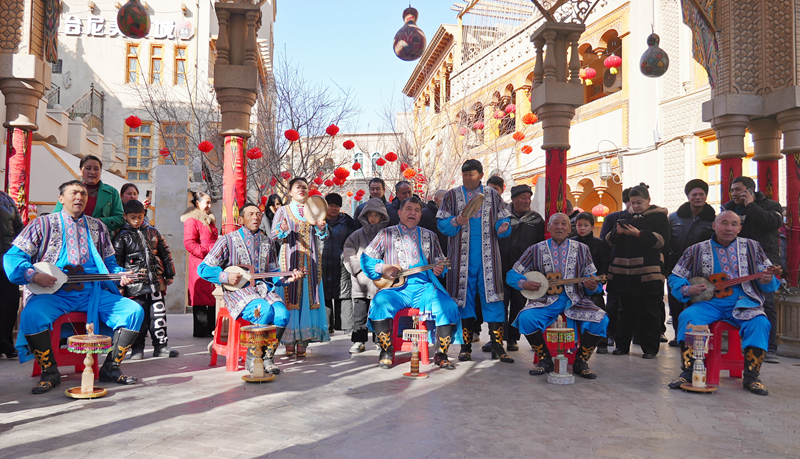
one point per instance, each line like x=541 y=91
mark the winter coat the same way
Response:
x=526 y=230
x=335 y=281
x=390 y=210
x=10 y=223
x=601 y=252
x=761 y=221
x=199 y=235
x=362 y=286
x=637 y=266
x=687 y=230
x=428 y=221
x=610 y=223
x=140 y=249
x=108 y=208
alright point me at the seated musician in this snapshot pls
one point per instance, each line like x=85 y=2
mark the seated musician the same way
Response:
x=735 y=257
x=407 y=246
x=67 y=238
x=572 y=259
x=257 y=302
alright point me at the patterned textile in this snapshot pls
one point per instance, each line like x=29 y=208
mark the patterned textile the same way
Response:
x=453 y=204
x=301 y=247
x=744 y=256
x=397 y=245
x=576 y=262
x=704 y=43
x=52 y=14
x=42 y=239
x=245 y=248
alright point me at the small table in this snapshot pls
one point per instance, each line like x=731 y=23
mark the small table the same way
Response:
x=698 y=336
x=88 y=344
x=256 y=337
x=561 y=335
x=415 y=336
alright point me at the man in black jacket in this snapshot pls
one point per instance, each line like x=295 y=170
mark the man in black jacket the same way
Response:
x=428 y=219
x=761 y=221
x=692 y=223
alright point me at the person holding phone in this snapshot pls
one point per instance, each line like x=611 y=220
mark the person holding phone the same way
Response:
x=761 y=221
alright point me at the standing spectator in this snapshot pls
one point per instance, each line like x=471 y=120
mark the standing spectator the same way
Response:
x=693 y=222
x=428 y=219
x=612 y=301
x=273 y=203
x=373 y=219
x=402 y=190
x=335 y=280
x=377 y=189
x=527 y=229
x=601 y=256
x=636 y=272
x=761 y=221
x=199 y=235
x=497 y=183
x=10 y=227
x=130 y=192
x=572 y=213
x=103 y=201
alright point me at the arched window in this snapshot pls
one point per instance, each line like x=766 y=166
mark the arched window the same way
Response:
x=359 y=158
x=376 y=169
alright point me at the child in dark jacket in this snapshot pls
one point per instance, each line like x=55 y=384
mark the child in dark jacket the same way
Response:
x=601 y=256
x=141 y=248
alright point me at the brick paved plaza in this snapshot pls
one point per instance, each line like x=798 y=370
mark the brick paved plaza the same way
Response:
x=332 y=405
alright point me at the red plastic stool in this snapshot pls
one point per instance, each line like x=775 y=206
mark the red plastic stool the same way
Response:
x=230 y=349
x=400 y=345
x=716 y=361
x=553 y=347
x=63 y=357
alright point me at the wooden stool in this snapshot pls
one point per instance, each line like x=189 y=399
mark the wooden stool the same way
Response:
x=232 y=348
x=716 y=361
x=63 y=357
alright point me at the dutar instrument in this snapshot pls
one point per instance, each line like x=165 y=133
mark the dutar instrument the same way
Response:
x=719 y=286
x=248 y=274
x=400 y=280
x=553 y=283
x=72 y=278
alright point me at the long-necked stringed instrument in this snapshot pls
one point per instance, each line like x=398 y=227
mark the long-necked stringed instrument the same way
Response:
x=553 y=283
x=72 y=278
x=248 y=274
x=719 y=286
x=400 y=279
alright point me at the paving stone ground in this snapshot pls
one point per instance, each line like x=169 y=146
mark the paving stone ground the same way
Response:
x=333 y=405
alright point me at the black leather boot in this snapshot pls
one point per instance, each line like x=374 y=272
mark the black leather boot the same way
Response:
x=587 y=347
x=42 y=350
x=444 y=336
x=753 y=358
x=545 y=365
x=466 y=348
x=383 y=329
x=269 y=352
x=109 y=372
x=687 y=364
x=496 y=336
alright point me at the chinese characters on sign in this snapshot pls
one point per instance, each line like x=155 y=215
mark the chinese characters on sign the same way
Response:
x=97 y=26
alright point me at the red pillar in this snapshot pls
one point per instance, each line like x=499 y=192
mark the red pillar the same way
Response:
x=793 y=218
x=555 y=186
x=768 y=179
x=730 y=168
x=18 y=166
x=234 y=181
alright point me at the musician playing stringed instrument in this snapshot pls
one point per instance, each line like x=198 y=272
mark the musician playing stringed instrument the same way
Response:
x=71 y=238
x=399 y=248
x=749 y=272
x=256 y=302
x=570 y=259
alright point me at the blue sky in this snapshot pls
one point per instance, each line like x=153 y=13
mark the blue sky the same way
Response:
x=350 y=43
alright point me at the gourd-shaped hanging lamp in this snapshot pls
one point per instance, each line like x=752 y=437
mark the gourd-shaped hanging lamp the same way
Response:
x=409 y=41
x=655 y=61
x=133 y=20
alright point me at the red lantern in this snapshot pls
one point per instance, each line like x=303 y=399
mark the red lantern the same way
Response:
x=421 y=178
x=332 y=130
x=338 y=181
x=409 y=173
x=518 y=136
x=463 y=131
x=348 y=145
x=292 y=135
x=349 y=194
x=391 y=156
x=315 y=193
x=478 y=126
x=273 y=181
x=360 y=192
x=286 y=175
x=499 y=114
x=356 y=166
x=133 y=121
x=380 y=162
x=263 y=200
x=341 y=172
x=403 y=166
x=612 y=63
x=587 y=74
x=263 y=186
x=205 y=146
x=511 y=109
x=529 y=118
x=358 y=197
x=318 y=180
x=254 y=153
x=600 y=210
x=527 y=149
x=164 y=152
x=328 y=182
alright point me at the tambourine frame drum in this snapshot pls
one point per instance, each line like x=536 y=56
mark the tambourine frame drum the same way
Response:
x=536 y=276
x=316 y=209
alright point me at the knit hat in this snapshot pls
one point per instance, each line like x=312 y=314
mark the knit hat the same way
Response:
x=695 y=183
x=334 y=198
x=519 y=189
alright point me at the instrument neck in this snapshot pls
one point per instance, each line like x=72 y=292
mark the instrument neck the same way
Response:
x=738 y=280
x=419 y=269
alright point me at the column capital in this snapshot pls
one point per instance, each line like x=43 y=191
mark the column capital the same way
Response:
x=22 y=102
x=789 y=121
x=730 y=130
x=766 y=134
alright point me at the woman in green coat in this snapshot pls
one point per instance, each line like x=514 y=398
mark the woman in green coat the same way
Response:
x=104 y=202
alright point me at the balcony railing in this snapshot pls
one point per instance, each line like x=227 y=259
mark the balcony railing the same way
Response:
x=89 y=108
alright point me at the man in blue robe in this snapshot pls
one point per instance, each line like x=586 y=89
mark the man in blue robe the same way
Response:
x=735 y=256
x=257 y=302
x=71 y=238
x=572 y=260
x=473 y=248
x=401 y=247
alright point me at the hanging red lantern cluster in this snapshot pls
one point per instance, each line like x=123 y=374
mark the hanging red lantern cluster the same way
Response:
x=332 y=130
x=530 y=118
x=391 y=156
x=205 y=146
x=380 y=162
x=133 y=121
x=286 y=175
x=292 y=135
x=328 y=182
x=587 y=74
x=318 y=180
x=518 y=136
x=338 y=181
x=409 y=173
x=527 y=149
x=359 y=195
x=348 y=144
x=164 y=152
x=341 y=173
x=273 y=181
x=254 y=153
x=612 y=63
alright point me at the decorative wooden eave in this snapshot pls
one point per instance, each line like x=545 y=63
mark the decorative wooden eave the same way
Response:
x=440 y=44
